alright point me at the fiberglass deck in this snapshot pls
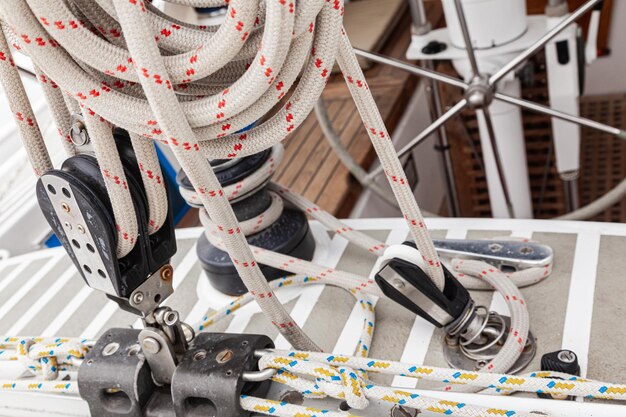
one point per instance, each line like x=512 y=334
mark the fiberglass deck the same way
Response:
x=579 y=307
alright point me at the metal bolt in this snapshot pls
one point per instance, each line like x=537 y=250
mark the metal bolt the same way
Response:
x=68 y=225
x=151 y=345
x=78 y=133
x=170 y=318
x=80 y=228
x=292 y=397
x=65 y=207
x=137 y=298
x=199 y=355
x=398 y=283
x=110 y=349
x=224 y=356
x=400 y=411
x=526 y=250
x=167 y=272
x=566 y=356
x=451 y=340
x=133 y=350
x=495 y=247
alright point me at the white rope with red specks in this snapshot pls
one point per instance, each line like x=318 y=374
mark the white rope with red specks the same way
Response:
x=193 y=88
x=288 y=37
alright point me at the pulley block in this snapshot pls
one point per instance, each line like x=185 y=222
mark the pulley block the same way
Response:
x=75 y=202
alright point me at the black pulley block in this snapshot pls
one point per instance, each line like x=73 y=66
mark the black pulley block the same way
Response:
x=289 y=235
x=408 y=285
x=75 y=202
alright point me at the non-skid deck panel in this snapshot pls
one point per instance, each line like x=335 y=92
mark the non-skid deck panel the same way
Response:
x=580 y=306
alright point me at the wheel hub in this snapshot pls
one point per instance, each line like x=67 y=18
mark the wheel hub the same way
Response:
x=479 y=93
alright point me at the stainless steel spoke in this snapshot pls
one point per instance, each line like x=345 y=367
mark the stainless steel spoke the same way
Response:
x=498 y=159
x=436 y=109
x=471 y=56
x=434 y=126
x=414 y=69
x=538 y=108
x=542 y=42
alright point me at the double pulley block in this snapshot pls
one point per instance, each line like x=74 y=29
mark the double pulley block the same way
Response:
x=289 y=234
x=75 y=202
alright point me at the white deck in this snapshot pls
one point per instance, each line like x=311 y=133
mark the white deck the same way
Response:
x=579 y=307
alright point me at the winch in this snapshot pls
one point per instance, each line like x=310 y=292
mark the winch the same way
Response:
x=268 y=221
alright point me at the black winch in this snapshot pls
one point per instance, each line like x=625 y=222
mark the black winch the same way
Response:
x=289 y=234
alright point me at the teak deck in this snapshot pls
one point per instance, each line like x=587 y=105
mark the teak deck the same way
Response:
x=310 y=167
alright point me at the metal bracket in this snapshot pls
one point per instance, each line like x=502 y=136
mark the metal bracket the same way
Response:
x=149 y=295
x=159 y=353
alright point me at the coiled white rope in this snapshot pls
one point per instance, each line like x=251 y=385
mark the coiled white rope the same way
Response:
x=193 y=88
x=237 y=73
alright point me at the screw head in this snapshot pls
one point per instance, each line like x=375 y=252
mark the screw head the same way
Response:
x=151 y=345
x=566 y=356
x=292 y=397
x=398 y=284
x=110 y=349
x=526 y=250
x=137 y=298
x=167 y=272
x=78 y=134
x=199 y=355
x=224 y=356
x=495 y=247
x=81 y=228
x=170 y=318
x=65 y=207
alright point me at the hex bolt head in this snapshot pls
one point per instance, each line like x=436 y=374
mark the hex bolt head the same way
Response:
x=151 y=345
x=495 y=247
x=137 y=298
x=110 y=349
x=224 y=356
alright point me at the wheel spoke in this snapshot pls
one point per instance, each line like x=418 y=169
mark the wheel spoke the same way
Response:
x=471 y=56
x=459 y=107
x=499 y=166
x=542 y=42
x=414 y=69
x=538 y=108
